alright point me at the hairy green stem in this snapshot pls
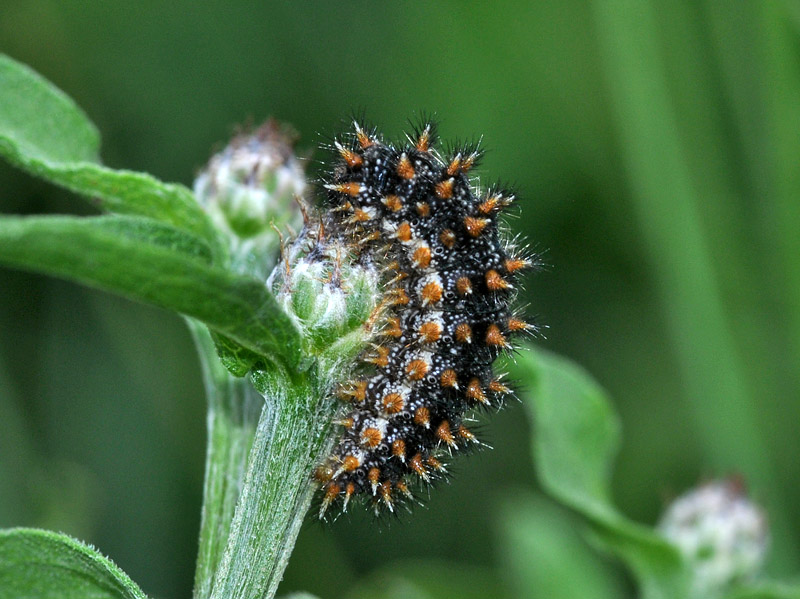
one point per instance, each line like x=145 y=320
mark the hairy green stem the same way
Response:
x=258 y=487
x=233 y=412
x=293 y=432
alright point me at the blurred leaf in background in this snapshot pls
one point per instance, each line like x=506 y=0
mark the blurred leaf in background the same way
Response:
x=654 y=145
x=546 y=556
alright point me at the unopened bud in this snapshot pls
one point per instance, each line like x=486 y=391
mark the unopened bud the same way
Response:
x=330 y=296
x=249 y=190
x=722 y=535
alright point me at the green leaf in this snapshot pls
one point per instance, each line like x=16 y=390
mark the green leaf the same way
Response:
x=155 y=265
x=576 y=436
x=45 y=133
x=237 y=360
x=40 y=120
x=39 y=564
x=145 y=230
x=545 y=555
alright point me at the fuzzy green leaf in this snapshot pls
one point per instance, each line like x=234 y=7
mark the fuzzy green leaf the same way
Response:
x=40 y=120
x=576 y=435
x=39 y=564
x=236 y=359
x=156 y=265
x=144 y=230
x=45 y=133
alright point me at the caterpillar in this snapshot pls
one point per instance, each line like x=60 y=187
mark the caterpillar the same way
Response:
x=450 y=279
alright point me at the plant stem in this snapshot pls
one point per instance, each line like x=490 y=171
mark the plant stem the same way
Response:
x=233 y=412
x=293 y=431
x=261 y=452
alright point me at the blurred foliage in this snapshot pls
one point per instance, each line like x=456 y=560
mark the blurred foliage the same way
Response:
x=655 y=145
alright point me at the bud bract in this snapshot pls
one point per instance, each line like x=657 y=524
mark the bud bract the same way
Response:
x=331 y=296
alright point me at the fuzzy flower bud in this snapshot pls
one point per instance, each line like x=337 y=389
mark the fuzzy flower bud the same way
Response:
x=722 y=535
x=331 y=297
x=249 y=190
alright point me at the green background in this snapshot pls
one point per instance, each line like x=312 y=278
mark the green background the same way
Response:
x=655 y=146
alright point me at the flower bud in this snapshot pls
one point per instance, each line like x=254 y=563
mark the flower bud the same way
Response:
x=722 y=535
x=249 y=190
x=331 y=297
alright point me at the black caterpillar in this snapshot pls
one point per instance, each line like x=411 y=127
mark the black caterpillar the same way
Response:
x=446 y=317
